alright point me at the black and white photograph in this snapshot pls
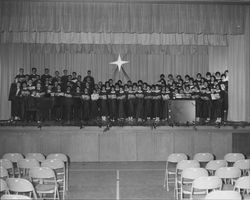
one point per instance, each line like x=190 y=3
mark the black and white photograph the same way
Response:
x=125 y=99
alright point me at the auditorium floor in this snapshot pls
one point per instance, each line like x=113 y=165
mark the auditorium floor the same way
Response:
x=117 y=180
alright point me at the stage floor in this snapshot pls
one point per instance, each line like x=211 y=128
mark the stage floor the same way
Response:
x=118 y=180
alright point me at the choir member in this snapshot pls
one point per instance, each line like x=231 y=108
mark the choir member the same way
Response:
x=56 y=78
x=121 y=97
x=205 y=103
x=46 y=75
x=162 y=80
x=103 y=103
x=33 y=76
x=68 y=103
x=131 y=103
x=94 y=104
x=30 y=85
x=90 y=79
x=216 y=103
x=77 y=104
x=156 y=97
x=165 y=94
x=24 y=95
x=14 y=97
x=224 y=94
x=139 y=103
x=148 y=103
x=42 y=106
x=112 y=98
x=64 y=79
x=20 y=76
x=218 y=76
x=58 y=103
x=86 y=105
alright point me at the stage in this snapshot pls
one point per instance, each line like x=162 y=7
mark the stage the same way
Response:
x=137 y=143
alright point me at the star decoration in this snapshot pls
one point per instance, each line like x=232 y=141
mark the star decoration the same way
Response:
x=119 y=62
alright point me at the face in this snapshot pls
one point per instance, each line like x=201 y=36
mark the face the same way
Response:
x=21 y=70
x=65 y=72
x=46 y=71
x=34 y=71
x=56 y=73
x=89 y=73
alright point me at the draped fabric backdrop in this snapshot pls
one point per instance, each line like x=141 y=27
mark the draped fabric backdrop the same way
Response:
x=155 y=38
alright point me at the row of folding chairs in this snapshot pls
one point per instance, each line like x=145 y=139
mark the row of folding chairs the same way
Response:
x=15 y=157
x=205 y=160
x=43 y=182
x=25 y=168
x=197 y=181
x=176 y=163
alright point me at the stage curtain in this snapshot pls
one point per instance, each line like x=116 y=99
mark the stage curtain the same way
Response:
x=218 y=58
x=12 y=57
x=125 y=17
x=247 y=74
x=113 y=38
x=237 y=78
x=144 y=63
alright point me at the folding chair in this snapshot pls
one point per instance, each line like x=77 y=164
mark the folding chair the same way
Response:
x=205 y=184
x=242 y=185
x=213 y=165
x=38 y=156
x=3 y=173
x=228 y=176
x=24 y=165
x=44 y=179
x=19 y=185
x=203 y=158
x=171 y=163
x=65 y=159
x=231 y=158
x=59 y=168
x=15 y=196
x=3 y=187
x=7 y=164
x=223 y=195
x=244 y=165
x=187 y=177
x=13 y=157
x=179 y=168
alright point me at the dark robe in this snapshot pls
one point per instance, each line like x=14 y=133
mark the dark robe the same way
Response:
x=121 y=99
x=139 y=104
x=131 y=104
x=103 y=103
x=14 y=97
x=147 y=104
x=164 y=105
x=156 y=103
x=112 y=104
x=86 y=107
x=94 y=107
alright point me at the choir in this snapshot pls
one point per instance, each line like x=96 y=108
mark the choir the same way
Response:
x=69 y=97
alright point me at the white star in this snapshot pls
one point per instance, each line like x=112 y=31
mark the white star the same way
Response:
x=119 y=62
